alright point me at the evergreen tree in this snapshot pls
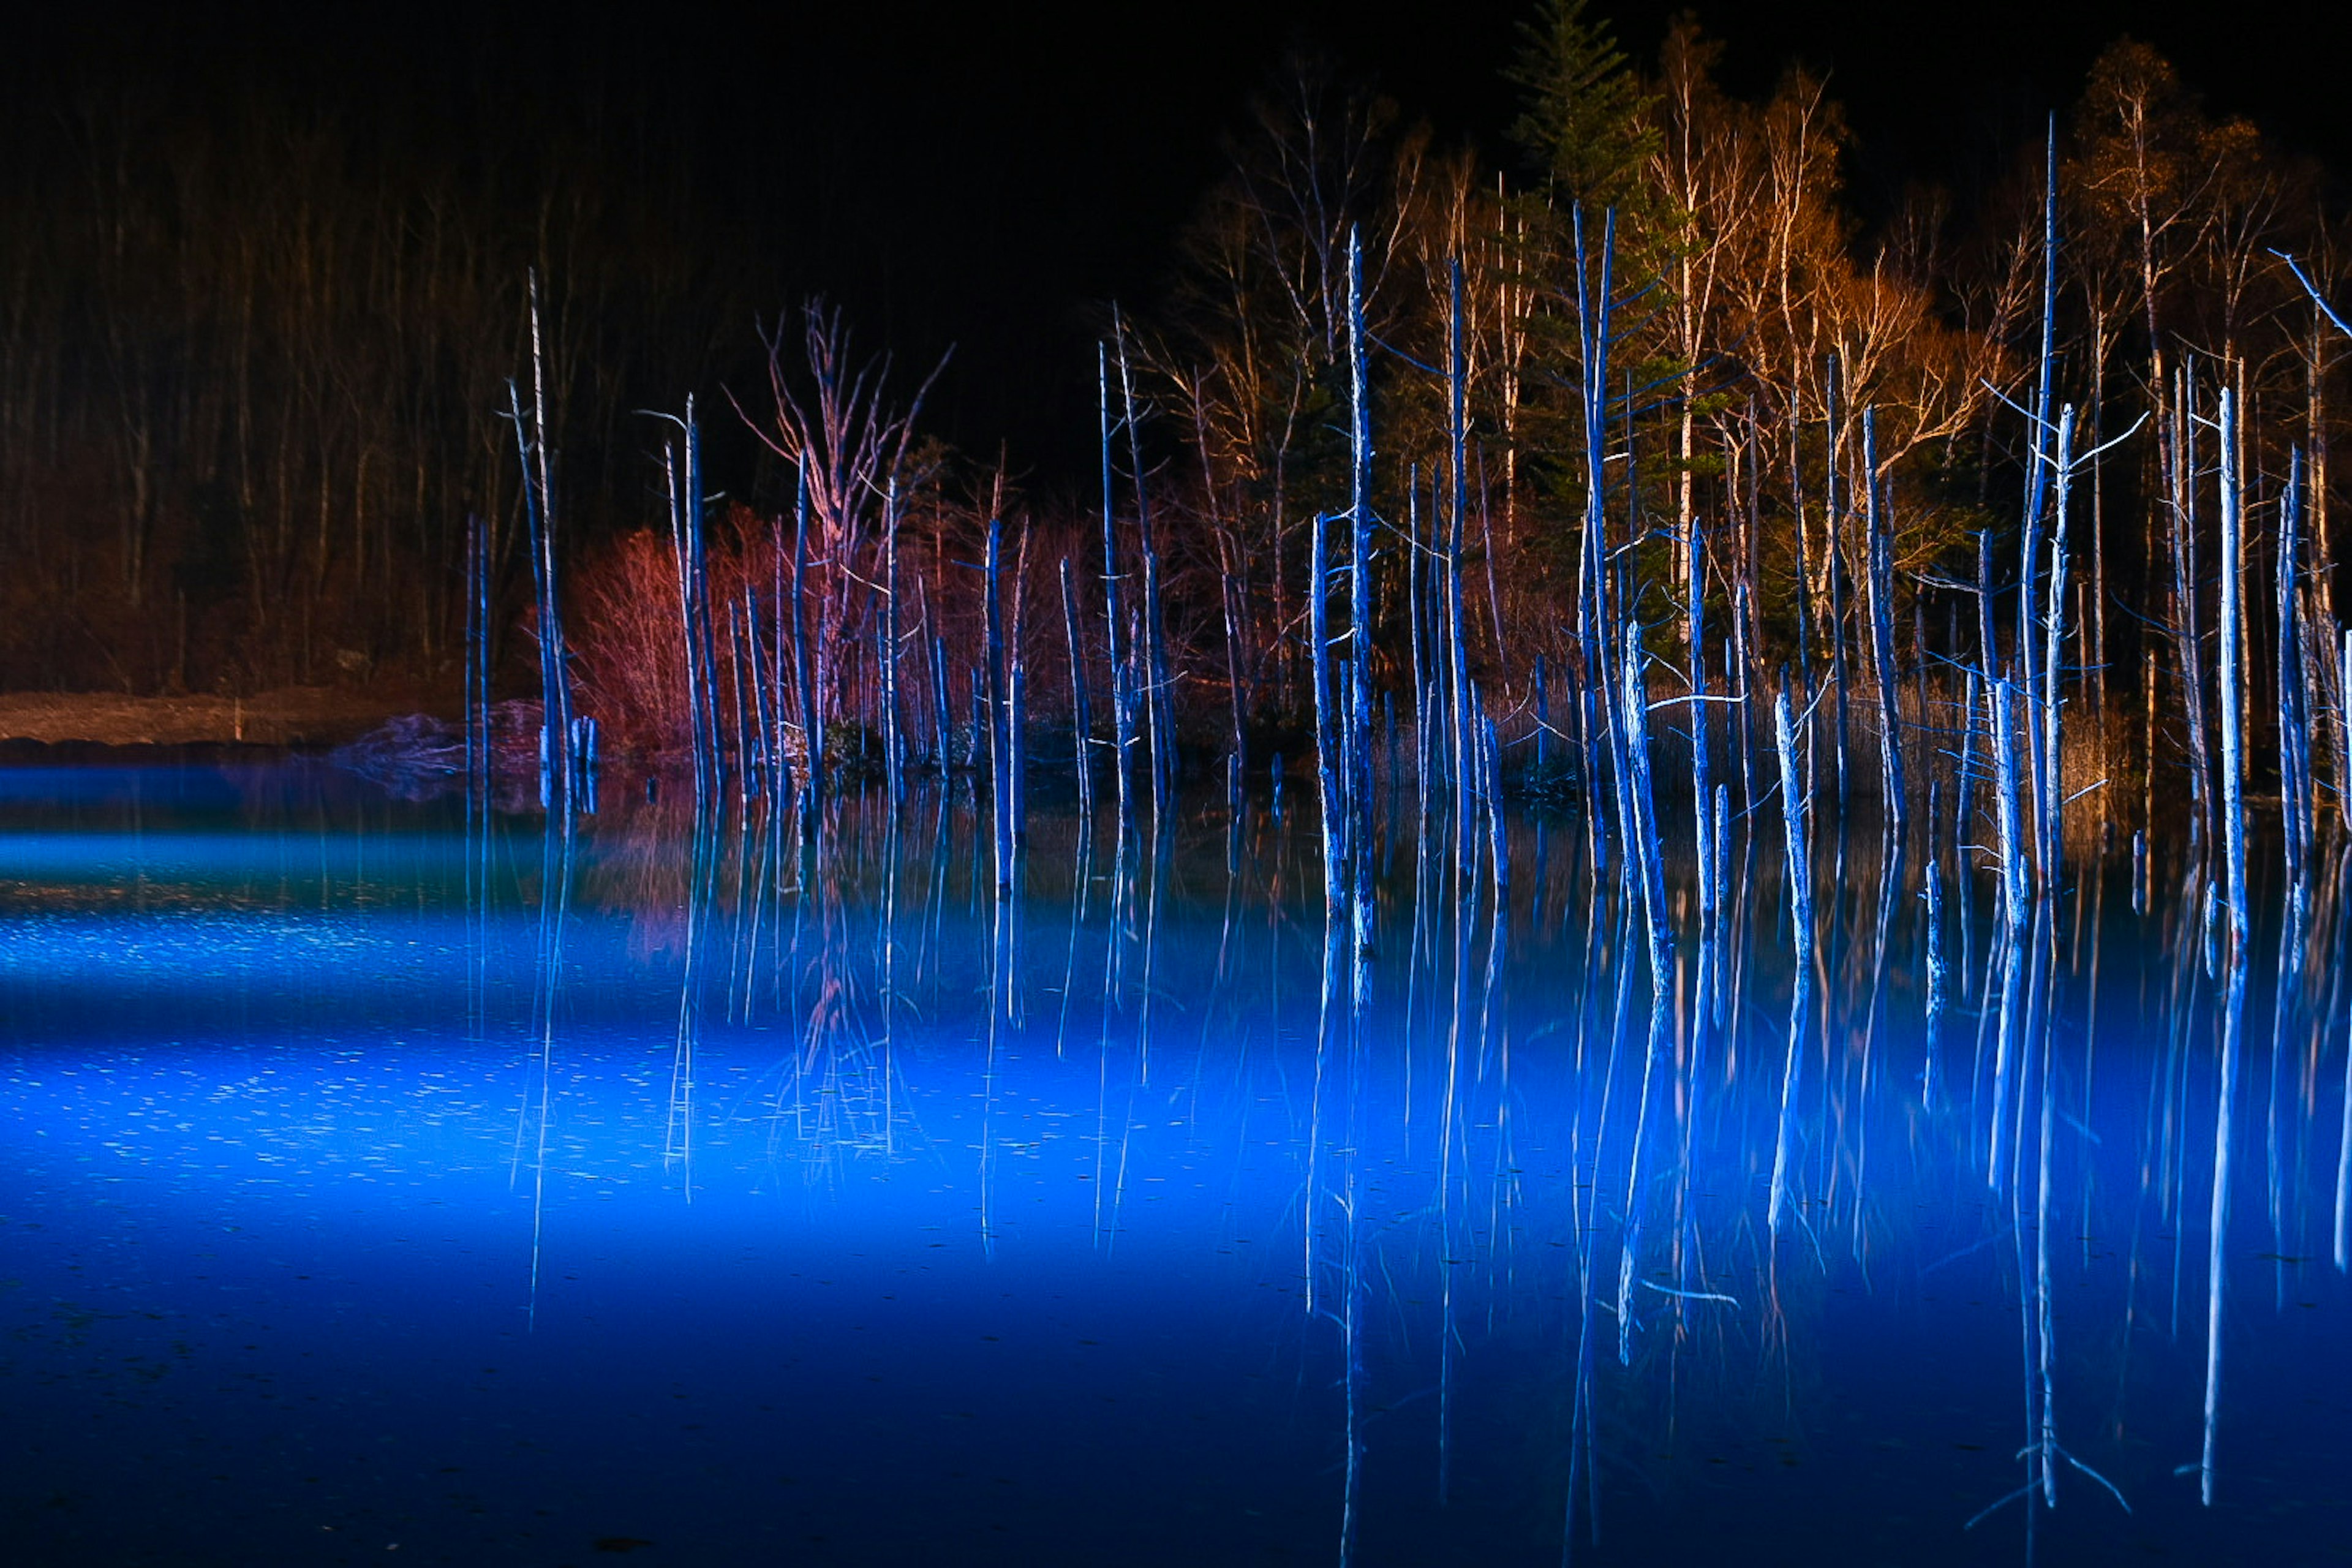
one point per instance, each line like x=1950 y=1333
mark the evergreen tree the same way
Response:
x=1587 y=129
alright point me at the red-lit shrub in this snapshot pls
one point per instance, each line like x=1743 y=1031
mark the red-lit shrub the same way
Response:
x=627 y=640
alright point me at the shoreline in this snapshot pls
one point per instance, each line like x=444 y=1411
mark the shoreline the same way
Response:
x=290 y=717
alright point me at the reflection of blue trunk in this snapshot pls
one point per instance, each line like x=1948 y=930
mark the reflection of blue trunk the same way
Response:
x=1801 y=917
x=1054 y=1213
x=2343 y=1249
x=2233 y=1023
x=1938 y=985
x=1642 y=819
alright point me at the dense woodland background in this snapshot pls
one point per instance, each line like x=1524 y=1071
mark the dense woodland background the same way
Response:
x=254 y=349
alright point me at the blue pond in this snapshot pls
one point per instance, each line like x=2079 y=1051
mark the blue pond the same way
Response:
x=380 y=1190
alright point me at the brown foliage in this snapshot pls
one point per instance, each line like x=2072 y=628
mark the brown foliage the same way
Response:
x=627 y=638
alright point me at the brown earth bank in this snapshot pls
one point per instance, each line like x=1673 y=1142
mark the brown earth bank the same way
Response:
x=297 y=716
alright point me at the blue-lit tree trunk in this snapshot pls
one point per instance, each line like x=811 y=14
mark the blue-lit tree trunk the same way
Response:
x=555 y=715
x=746 y=743
x=1643 y=844
x=1458 y=653
x=803 y=666
x=756 y=665
x=1540 y=690
x=1694 y=649
x=1016 y=701
x=539 y=522
x=1878 y=538
x=2341 y=708
x=1229 y=601
x=2187 y=643
x=2038 y=475
x=1122 y=710
x=992 y=710
x=1834 y=566
x=2233 y=748
x=1593 y=323
x=2051 y=807
x=2293 y=707
x=706 y=646
x=1081 y=725
x=1743 y=656
x=942 y=711
x=893 y=739
x=1160 y=702
x=1420 y=633
x=480 y=769
x=1360 y=590
x=1327 y=772
x=685 y=543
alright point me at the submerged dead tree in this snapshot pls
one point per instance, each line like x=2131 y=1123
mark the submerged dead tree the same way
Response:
x=831 y=416
x=561 y=744
x=1159 y=693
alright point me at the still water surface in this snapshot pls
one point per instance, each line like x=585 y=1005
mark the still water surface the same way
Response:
x=376 y=1191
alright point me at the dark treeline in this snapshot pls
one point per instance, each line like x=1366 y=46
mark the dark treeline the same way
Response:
x=1655 y=389
x=1755 y=328
x=260 y=360
x=256 y=323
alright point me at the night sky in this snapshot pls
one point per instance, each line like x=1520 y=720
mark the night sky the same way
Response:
x=985 y=177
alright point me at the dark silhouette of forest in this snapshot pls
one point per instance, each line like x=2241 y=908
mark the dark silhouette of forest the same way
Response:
x=255 y=351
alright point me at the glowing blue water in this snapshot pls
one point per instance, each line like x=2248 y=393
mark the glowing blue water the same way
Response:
x=374 y=1193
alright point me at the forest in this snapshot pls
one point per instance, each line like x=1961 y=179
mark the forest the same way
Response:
x=1410 y=442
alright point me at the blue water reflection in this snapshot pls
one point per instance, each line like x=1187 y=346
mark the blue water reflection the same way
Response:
x=373 y=1185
